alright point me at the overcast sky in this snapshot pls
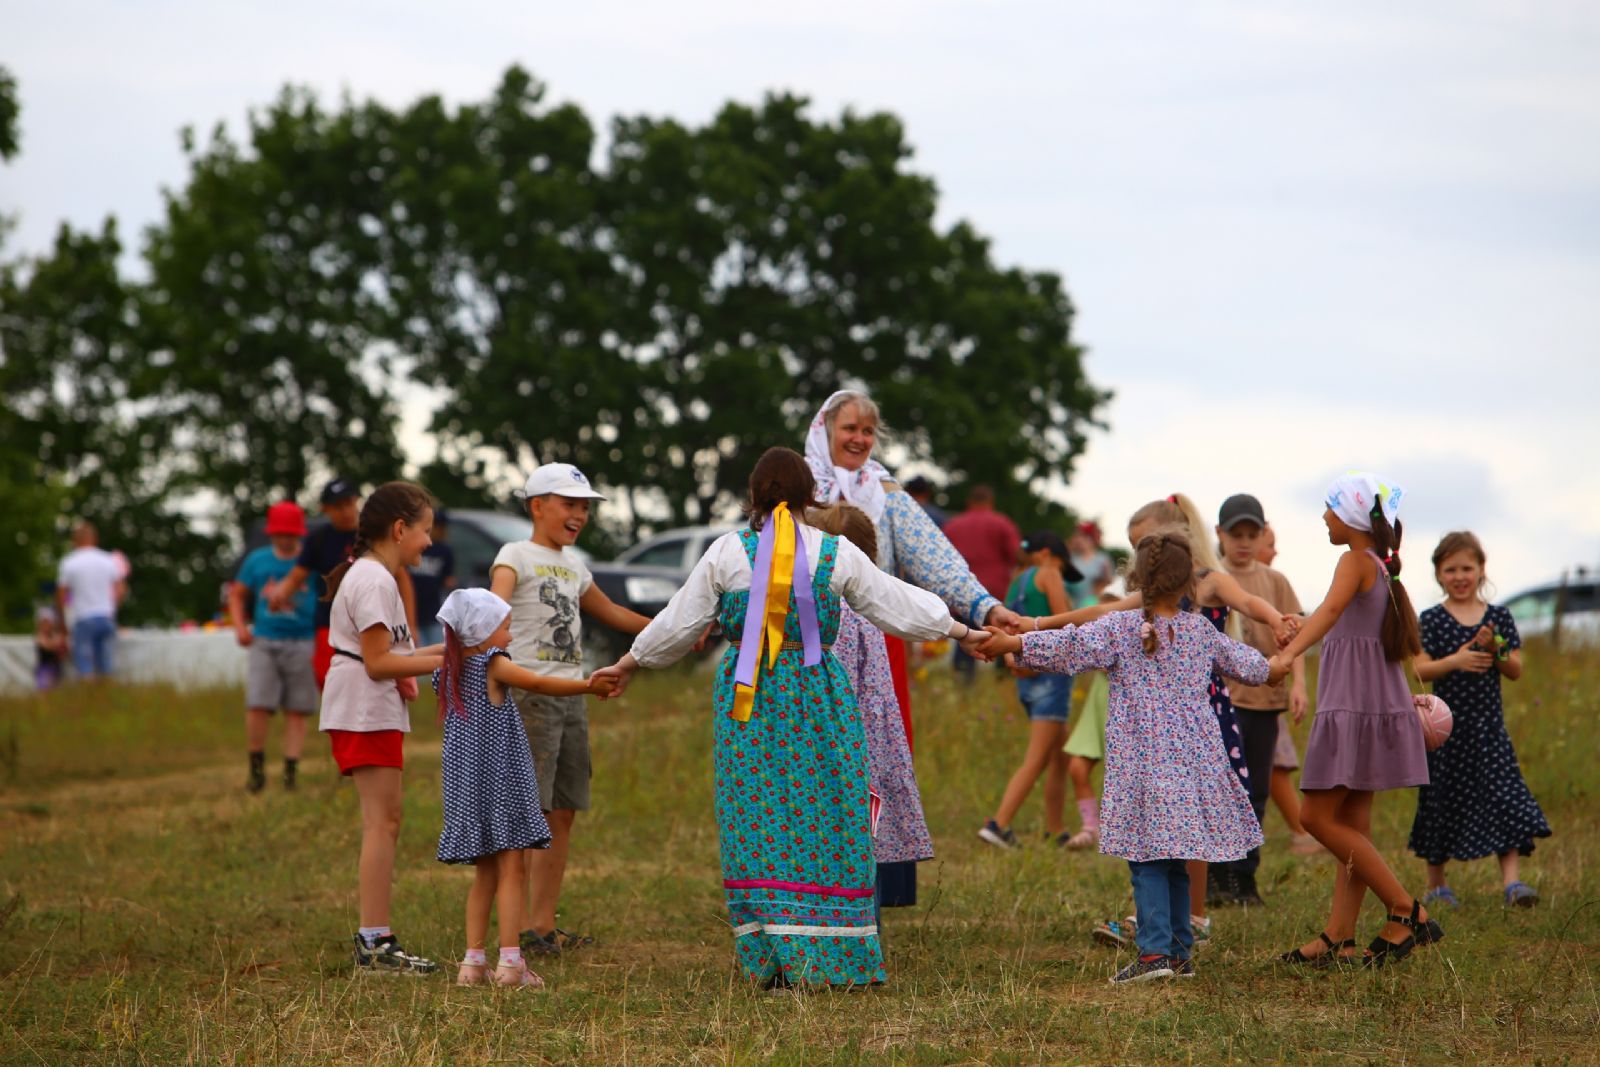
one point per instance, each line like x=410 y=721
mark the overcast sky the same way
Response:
x=1300 y=240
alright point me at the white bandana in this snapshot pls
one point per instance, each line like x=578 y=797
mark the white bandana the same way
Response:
x=863 y=488
x=474 y=614
x=1354 y=493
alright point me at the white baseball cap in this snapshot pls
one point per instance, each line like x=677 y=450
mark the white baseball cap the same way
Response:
x=560 y=479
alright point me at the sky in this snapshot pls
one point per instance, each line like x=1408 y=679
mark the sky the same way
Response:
x=1300 y=238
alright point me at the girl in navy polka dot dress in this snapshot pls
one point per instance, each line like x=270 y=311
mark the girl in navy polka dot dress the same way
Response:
x=1476 y=803
x=491 y=797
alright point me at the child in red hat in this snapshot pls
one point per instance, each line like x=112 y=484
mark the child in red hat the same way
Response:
x=279 y=673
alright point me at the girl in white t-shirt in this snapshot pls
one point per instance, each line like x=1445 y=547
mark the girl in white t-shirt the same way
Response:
x=373 y=675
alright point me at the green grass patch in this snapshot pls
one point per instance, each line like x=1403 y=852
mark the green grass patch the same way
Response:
x=152 y=912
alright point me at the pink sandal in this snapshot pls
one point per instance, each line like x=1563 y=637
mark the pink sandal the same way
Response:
x=473 y=974
x=1082 y=839
x=517 y=976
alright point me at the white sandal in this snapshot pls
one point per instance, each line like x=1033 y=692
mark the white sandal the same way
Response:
x=517 y=976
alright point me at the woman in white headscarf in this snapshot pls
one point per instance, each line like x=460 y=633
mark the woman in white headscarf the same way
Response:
x=839 y=447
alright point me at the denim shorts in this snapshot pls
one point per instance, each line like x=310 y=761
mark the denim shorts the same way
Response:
x=1047 y=697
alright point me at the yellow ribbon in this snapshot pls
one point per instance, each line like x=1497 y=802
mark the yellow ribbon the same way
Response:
x=780 y=581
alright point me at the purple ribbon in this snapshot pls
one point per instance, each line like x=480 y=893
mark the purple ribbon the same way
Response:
x=755 y=617
x=805 y=599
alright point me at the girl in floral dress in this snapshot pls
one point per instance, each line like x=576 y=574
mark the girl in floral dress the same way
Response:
x=792 y=786
x=901 y=833
x=1170 y=794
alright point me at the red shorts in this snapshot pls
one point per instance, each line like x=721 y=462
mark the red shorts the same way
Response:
x=321 y=656
x=377 y=748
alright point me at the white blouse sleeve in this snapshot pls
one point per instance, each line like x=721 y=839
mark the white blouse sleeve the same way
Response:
x=888 y=603
x=694 y=607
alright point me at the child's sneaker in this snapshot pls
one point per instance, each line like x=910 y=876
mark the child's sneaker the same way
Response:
x=998 y=837
x=258 y=773
x=1183 y=968
x=1521 y=895
x=1119 y=933
x=1143 y=969
x=385 y=956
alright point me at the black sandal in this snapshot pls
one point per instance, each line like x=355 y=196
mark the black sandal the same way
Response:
x=1423 y=932
x=1321 y=959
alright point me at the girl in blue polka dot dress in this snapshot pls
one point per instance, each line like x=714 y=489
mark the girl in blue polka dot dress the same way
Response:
x=1475 y=803
x=491 y=797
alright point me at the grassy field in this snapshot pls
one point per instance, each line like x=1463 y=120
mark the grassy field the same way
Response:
x=158 y=914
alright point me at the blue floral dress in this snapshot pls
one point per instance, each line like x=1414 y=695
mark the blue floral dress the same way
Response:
x=792 y=806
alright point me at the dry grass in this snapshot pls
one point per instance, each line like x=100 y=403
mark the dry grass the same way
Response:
x=163 y=916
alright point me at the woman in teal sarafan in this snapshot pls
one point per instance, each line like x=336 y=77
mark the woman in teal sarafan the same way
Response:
x=793 y=806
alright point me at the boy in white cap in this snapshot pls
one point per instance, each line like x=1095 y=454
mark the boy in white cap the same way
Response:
x=547 y=586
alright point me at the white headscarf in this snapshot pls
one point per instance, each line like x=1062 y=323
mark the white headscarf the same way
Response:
x=474 y=614
x=1353 y=495
x=863 y=488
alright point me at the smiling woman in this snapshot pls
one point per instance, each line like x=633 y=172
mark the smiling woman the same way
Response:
x=839 y=447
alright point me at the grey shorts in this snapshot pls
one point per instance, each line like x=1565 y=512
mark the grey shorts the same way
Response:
x=278 y=675
x=558 y=734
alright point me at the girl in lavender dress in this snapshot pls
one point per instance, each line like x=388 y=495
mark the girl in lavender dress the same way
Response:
x=1366 y=735
x=1170 y=794
x=900 y=831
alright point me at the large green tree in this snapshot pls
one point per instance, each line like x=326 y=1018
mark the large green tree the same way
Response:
x=657 y=320
x=95 y=439
x=656 y=312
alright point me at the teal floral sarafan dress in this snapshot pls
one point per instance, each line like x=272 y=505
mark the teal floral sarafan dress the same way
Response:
x=793 y=806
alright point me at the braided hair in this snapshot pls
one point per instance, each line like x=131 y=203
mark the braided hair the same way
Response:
x=1402 y=640
x=1163 y=571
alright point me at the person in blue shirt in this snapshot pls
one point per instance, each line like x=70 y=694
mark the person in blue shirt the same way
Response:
x=279 y=643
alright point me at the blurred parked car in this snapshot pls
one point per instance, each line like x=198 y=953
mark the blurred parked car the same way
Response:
x=679 y=549
x=1535 y=609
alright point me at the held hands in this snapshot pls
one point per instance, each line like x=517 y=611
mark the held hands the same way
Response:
x=603 y=684
x=1007 y=620
x=608 y=683
x=995 y=641
x=1287 y=630
x=1278 y=669
x=974 y=643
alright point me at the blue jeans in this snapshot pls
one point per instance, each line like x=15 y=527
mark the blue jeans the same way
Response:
x=92 y=641
x=1161 y=902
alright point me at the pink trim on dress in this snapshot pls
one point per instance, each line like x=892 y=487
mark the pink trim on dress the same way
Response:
x=795 y=887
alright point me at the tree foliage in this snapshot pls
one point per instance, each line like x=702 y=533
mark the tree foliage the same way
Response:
x=10 y=109
x=657 y=312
